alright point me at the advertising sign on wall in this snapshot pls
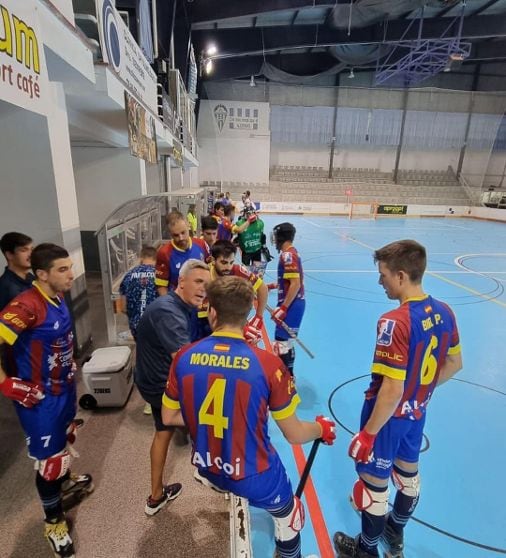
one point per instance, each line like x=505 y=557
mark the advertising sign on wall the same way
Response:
x=177 y=153
x=235 y=118
x=120 y=50
x=141 y=130
x=392 y=209
x=23 y=71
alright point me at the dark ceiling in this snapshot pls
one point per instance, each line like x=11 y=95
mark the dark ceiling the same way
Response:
x=299 y=36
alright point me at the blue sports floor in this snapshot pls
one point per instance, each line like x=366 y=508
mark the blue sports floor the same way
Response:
x=462 y=510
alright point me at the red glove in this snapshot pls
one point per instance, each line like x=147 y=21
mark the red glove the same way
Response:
x=328 y=432
x=279 y=313
x=252 y=218
x=361 y=447
x=25 y=393
x=272 y=286
x=253 y=330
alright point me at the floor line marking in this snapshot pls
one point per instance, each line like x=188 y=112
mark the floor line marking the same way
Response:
x=441 y=278
x=315 y=512
x=443 y=271
x=468 y=289
x=313 y=504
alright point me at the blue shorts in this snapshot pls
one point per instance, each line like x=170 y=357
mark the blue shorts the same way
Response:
x=399 y=438
x=293 y=319
x=46 y=423
x=270 y=490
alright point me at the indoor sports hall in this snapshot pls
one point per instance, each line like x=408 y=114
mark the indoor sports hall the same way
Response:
x=455 y=516
x=360 y=122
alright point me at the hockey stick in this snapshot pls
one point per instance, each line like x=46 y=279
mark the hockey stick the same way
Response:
x=290 y=332
x=307 y=468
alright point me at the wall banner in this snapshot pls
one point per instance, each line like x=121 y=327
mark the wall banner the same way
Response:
x=120 y=51
x=23 y=72
x=141 y=130
x=177 y=153
x=392 y=209
x=235 y=118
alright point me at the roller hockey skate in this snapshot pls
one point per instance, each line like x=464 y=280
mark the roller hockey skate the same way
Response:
x=348 y=547
x=392 y=542
x=75 y=489
x=57 y=535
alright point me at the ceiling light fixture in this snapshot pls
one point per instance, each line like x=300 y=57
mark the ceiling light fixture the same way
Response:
x=252 y=82
x=211 y=50
x=351 y=74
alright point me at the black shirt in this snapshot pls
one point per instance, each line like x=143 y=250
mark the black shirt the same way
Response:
x=163 y=329
x=11 y=285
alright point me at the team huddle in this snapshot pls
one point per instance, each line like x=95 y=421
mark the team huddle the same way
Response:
x=197 y=317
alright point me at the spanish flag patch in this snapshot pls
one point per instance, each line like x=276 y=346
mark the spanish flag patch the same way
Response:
x=222 y=348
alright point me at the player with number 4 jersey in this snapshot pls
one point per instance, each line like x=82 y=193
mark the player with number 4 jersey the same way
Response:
x=417 y=348
x=223 y=389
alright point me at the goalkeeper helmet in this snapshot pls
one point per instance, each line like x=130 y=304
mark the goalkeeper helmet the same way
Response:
x=282 y=233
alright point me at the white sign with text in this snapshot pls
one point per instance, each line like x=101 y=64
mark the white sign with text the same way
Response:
x=23 y=72
x=120 y=51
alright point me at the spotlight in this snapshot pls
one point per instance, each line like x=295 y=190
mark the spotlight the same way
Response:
x=252 y=82
x=351 y=74
x=209 y=66
x=211 y=50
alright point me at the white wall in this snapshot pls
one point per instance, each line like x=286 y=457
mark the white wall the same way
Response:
x=105 y=178
x=28 y=193
x=154 y=178
x=234 y=141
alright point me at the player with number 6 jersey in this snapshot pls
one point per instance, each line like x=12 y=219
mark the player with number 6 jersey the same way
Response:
x=223 y=389
x=417 y=348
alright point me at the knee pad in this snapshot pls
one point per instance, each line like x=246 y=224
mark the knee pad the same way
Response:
x=282 y=347
x=288 y=527
x=364 y=498
x=54 y=467
x=410 y=486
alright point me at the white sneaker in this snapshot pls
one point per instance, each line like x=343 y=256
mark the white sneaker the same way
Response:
x=199 y=478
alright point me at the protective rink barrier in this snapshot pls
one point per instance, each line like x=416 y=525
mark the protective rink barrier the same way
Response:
x=136 y=223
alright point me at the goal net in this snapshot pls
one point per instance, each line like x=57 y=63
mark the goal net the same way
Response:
x=363 y=210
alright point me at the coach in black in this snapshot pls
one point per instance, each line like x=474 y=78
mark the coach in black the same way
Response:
x=163 y=329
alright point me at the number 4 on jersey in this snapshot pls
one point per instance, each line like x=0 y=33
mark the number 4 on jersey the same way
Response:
x=211 y=410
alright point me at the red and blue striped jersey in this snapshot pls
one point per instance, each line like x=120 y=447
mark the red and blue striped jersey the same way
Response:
x=38 y=331
x=225 y=229
x=289 y=267
x=225 y=389
x=412 y=344
x=169 y=260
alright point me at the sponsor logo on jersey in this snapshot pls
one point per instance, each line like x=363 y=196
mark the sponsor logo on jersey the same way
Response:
x=208 y=461
x=385 y=332
x=12 y=317
x=287 y=257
